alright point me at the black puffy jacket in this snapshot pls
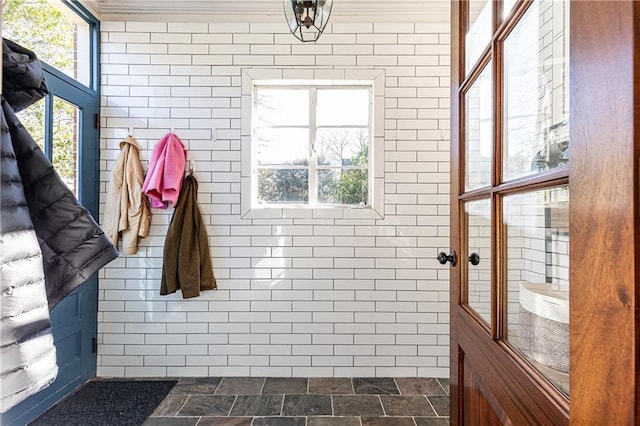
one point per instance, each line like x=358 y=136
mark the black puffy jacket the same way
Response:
x=27 y=351
x=73 y=245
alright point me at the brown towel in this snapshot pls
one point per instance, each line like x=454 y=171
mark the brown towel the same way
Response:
x=187 y=262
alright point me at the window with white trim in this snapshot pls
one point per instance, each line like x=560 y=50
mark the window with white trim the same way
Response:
x=311 y=144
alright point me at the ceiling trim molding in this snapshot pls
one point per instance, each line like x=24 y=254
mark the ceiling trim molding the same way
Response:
x=265 y=11
x=92 y=6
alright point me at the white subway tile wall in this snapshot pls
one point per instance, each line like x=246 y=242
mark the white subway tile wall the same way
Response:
x=312 y=292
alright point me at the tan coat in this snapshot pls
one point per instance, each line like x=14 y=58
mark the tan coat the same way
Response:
x=127 y=210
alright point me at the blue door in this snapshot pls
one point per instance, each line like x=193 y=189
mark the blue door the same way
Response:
x=71 y=141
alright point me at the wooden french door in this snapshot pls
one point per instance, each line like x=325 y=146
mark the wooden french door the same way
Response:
x=545 y=212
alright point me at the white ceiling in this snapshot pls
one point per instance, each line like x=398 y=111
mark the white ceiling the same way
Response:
x=266 y=10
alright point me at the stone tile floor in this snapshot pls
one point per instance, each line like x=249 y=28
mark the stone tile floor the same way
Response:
x=246 y=401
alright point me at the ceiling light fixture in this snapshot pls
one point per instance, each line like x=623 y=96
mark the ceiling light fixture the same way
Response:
x=307 y=19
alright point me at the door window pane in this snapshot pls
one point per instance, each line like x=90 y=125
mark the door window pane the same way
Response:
x=478 y=256
x=53 y=31
x=478 y=31
x=66 y=130
x=536 y=105
x=32 y=119
x=537 y=239
x=479 y=132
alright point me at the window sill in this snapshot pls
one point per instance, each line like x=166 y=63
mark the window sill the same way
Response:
x=312 y=212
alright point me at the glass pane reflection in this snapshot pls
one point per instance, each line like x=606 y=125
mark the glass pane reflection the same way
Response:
x=479 y=131
x=537 y=238
x=536 y=69
x=507 y=7
x=478 y=32
x=478 y=216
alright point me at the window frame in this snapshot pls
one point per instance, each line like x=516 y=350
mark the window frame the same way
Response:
x=93 y=43
x=320 y=78
x=313 y=127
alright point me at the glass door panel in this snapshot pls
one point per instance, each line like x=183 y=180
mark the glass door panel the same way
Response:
x=510 y=295
x=479 y=131
x=507 y=7
x=536 y=87
x=66 y=130
x=478 y=220
x=536 y=226
x=478 y=31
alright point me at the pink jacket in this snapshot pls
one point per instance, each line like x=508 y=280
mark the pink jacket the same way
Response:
x=166 y=169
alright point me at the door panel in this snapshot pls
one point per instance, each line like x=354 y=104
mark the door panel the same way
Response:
x=509 y=183
x=74 y=322
x=507 y=385
x=476 y=408
x=70 y=139
x=546 y=291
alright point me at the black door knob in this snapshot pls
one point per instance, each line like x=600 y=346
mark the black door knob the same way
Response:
x=451 y=257
x=474 y=258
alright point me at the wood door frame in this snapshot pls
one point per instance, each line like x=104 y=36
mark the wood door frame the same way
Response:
x=604 y=227
x=456 y=71
x=604 y=211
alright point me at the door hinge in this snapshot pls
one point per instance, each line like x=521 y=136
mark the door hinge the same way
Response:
x=97 y=123
x=94 y=343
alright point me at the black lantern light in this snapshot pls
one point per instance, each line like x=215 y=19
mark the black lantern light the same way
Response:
x=307 y=18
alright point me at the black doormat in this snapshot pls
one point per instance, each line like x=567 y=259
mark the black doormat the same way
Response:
x=107 y=403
